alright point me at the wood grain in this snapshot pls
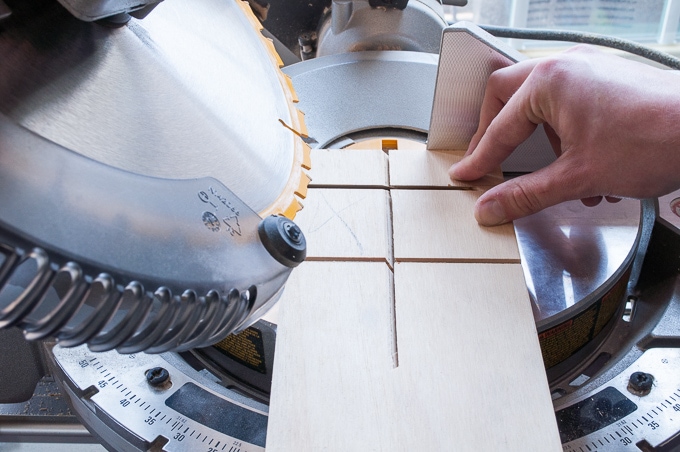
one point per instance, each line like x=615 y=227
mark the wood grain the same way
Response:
x=439 y=354
x=423 y=168
x=469 y=349
x=470 y=374
x=349 y=168
x=347 y=224
x=438 y=225
x=333 y=354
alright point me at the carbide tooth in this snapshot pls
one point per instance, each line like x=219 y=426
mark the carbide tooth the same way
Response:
x=283 y=205
x=306 y=156
x=302 y=188
x=250 y=15
x=301 y=126
x=291 y=90
x=294 y=207
x=269 y=44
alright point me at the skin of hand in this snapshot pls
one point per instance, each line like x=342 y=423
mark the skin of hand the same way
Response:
x=614 y=125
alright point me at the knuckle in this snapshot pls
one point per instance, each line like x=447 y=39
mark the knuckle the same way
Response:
x=495 y=81
x=524 y=200
x=552 y=71
x=500 y=141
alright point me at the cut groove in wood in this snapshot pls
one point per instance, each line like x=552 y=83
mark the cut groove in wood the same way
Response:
x=470 y=373
x=423 y=168
x=393 y=318
x=438 y=225
x=467 y=340
x=333 y=359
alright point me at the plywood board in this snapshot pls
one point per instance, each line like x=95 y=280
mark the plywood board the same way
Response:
x=469 y=377
x=348 y=168
x=442 y=354
x=346 y=224
x=469 y=352
x=423 y=168
x=438 y=225
x=333 y=356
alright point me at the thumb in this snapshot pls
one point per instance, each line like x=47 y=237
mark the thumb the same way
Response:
x=525 y=195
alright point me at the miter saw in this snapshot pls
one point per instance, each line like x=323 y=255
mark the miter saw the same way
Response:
x=152 y=157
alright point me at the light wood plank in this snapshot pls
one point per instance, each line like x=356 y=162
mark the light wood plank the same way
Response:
x=438 y=225
x=469 y=352
x=333 y=357
x=423 y=168
x=347 y=224
x=470 y=373
x=347 y=168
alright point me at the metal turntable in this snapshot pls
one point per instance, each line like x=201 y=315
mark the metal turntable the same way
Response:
x=603 y=283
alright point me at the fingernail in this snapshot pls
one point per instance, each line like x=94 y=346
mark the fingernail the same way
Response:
x=490 y=213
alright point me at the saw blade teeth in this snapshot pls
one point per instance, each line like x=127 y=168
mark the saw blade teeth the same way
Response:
x=302 y=188
x=287 y=203
x=291 y=90
x=254 y=21
x=269 y=43
x=302 y=127
x=306 y=156
x=294 y=207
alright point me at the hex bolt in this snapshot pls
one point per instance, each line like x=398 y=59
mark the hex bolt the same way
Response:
x=640 y=383
x=307 y=43
x=157 y=376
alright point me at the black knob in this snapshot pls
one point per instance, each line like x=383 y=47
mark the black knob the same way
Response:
x=283 y=239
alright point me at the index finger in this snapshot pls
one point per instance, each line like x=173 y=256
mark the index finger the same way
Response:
x=504 y=125
x=500 y=87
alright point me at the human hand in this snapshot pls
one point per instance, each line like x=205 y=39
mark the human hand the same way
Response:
x=613 y=123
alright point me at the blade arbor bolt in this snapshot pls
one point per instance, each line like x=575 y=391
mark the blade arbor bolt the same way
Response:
x=283 y=239
x=293 y=231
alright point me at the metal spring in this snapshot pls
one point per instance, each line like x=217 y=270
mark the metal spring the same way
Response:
x=75 y=309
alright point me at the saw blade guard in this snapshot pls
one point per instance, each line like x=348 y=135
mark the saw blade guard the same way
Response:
x=146 y=174
x=93 y=254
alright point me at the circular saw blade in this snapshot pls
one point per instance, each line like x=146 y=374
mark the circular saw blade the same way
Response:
x=193 y=90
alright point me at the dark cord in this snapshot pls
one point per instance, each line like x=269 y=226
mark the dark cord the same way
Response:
x=585 y=38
